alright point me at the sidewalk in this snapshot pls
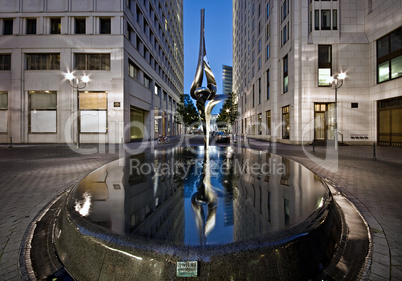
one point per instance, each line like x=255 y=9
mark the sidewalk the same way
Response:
x=32 y=175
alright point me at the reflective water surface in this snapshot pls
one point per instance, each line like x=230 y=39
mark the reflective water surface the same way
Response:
x=188 y=196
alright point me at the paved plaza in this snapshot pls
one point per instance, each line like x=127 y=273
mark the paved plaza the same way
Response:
x=31 y=176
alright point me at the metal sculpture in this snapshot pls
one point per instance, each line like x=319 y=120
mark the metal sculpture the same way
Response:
x=203 y=94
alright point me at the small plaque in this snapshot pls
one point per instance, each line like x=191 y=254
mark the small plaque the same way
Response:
x=116 y=104
x=187 y=269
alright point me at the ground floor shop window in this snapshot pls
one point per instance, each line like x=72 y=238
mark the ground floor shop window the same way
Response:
x=324 y=121
x=285 y=122
x=93 y=112
x=3 y=111
x=389 y=131
x=268 y=120
x=136 y=124
x=42 y=111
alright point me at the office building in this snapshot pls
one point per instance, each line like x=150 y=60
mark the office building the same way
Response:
x=131 y=51
x=227 y=79
x=285 y=51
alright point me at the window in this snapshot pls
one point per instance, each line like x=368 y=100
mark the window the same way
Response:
x=5 y=62
x=42 y=61
x=92 y=61
x=259 y=91
x=285 y=9
x=259 y=45
x=147 y=81
x=259 y=63
x=157 y=90
x=31 y=26
x=80 y=26
x=3 y=100
x=55 y=26
x=324 y=64
x=132 y=70
x=253 y=97
x=268 y=120
x=389 y=56
x=105 y=26
x=267 y=32
x=316 y=19
x=325 y=19
x=260 y=123
x=42 y=112
x=335 y=19
x=285 y=35
x=3 y=111
x=285 y=74
x=267 y=9
x=8 y=27
x=285 y=122
x=93 y=109
x=267 y=52
x=268 y=88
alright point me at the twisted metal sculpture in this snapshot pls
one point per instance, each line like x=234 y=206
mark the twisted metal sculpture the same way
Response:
x=203 y=94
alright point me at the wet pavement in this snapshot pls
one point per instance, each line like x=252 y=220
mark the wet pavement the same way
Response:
x=33 y=175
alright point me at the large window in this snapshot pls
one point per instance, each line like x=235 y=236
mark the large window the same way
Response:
x=389 y=56
x=285 y=122
x=285 y=74
x=31 y=26
x=43 y=61
x=5 y=62
x=92 y=61
x=80 y=25
x=55 y=26
x=260 y=123
x=42 y=111
x=3 y=111
x=324 y=64
x=8 y=26
x=326 y=22
x=93 y=111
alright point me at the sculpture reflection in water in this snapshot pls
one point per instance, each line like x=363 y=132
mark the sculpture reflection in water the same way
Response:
x=184 y=201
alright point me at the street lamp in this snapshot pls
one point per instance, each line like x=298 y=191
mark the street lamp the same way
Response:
x=77 y=84
x=335 y=82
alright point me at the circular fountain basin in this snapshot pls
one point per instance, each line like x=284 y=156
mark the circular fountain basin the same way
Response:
x=228 y=214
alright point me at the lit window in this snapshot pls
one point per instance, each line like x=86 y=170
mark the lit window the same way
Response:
x=55 y=26
x=132 y=70
x=93 y=109
x=389 y=56
x=42 y=112
x=324 y=64
x=285 y=74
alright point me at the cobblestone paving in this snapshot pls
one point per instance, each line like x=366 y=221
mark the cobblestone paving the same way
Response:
x=31 y=176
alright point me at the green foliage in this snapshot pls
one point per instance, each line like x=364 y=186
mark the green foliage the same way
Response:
x=228 y=113
x=187 y=113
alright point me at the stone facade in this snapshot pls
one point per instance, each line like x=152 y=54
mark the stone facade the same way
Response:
x=132 y=52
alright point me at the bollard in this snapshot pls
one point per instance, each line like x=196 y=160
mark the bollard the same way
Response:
x=11 y=142
x=313 y=145
x=374 y=156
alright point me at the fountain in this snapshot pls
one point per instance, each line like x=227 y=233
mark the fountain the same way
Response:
x=213 y=213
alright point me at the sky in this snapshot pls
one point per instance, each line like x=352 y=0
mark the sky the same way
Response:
x=218 y=39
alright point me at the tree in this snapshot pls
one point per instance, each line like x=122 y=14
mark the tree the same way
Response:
x=228 y=113
x=187 y=113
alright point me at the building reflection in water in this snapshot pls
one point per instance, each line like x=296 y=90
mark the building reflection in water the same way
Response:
x=178 y=196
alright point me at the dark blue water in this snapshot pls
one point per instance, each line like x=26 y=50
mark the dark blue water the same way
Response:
x=190 y=197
